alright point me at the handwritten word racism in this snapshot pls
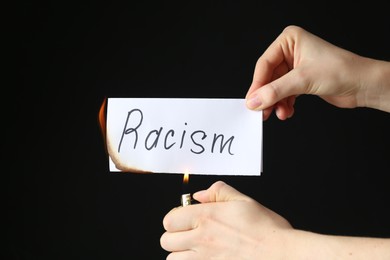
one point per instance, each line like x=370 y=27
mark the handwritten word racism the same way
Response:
x=197 y=141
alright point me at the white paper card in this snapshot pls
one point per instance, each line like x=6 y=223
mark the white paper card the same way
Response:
x=177 y=135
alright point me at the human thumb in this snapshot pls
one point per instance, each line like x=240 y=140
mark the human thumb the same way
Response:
x=269 y=94
x=219 y=192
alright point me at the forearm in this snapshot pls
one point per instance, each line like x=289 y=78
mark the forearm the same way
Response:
x=307 y=245
x=375 y=84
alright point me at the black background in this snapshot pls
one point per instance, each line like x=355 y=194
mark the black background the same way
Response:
x=326 y=169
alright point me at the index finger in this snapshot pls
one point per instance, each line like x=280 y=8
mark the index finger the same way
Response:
x=180 y=219
x=272 y=64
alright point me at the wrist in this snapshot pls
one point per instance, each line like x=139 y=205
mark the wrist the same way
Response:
x=304 y=245
x=375 y=85
x=308 y=245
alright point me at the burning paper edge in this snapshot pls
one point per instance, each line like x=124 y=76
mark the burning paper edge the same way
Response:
x=111 y=154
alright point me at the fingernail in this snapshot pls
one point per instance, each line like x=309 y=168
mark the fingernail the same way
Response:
x=253 y=101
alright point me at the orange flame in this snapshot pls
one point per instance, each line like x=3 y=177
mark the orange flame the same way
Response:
x=102 y=121
x=186 y=178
